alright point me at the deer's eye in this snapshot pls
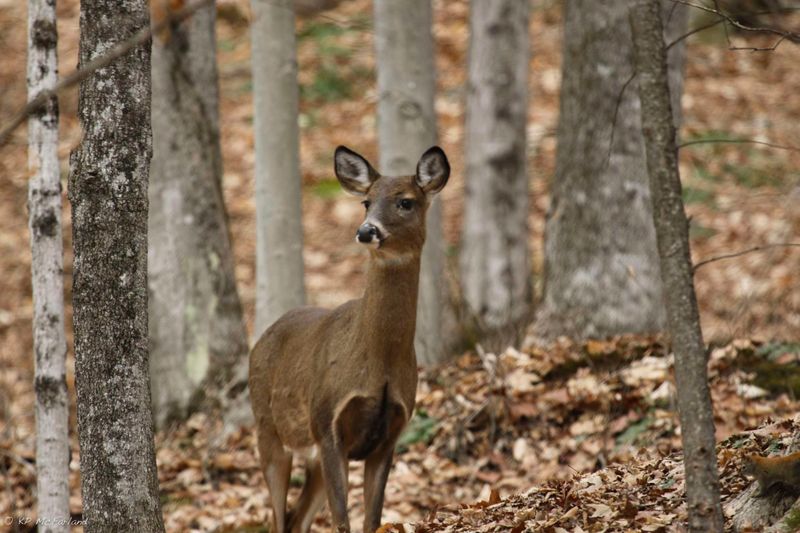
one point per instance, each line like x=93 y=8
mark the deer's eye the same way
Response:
x=365 y=203
x=405 y=204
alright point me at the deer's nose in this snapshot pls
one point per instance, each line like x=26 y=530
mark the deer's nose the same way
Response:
x=367 y=233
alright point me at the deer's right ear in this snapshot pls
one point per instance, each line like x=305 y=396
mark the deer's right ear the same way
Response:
x=353 y=171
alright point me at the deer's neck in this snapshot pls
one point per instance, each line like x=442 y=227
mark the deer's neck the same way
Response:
x=388 y=312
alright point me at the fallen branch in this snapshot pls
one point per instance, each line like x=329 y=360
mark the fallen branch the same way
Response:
x=98 y=63
x=747 y=251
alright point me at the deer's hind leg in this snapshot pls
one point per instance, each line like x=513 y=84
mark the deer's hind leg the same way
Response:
x=276 y=463
x=311 y=499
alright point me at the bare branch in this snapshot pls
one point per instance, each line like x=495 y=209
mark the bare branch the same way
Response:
x=720 y=20
x=793 y=36
x=747 y=251
x=739 y=141
x=98 y=63
x=693 y=31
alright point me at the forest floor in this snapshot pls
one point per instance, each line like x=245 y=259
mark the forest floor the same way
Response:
x=531 y=421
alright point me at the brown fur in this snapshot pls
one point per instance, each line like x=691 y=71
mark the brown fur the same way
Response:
x=343 y=381
x=771 y=471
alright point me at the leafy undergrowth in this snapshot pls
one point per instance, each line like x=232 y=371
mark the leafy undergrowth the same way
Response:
x=567 y=435
x=643 y=495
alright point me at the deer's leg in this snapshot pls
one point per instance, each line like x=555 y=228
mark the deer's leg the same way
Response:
x=334 y=472
x=376 y=471
x=276 y=463
x=311 y=499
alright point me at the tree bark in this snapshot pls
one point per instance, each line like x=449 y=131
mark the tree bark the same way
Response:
x=279 y=228
x=108 y=191
x=495 y=260
x=601 y=270
x=672 y=233
x=406 y=128
x=197 y=333
x=47 y=272
x=752 y=511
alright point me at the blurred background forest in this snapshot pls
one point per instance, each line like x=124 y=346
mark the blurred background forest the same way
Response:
x=560 y=412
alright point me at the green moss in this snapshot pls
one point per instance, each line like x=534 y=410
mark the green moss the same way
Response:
x=329 y=188
x=634 y=431
x=336 y=74
x=692 y=195
x=421 y=428
x=792 y=520
x=329 y=85
x=698 y=231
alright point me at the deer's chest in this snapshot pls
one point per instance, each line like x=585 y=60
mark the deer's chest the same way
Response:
x=367 y=422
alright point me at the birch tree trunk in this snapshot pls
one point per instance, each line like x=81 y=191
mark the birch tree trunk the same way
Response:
x=197 y=333
x=279 y=228
x=672 y=232
x=601 y=270
x=406 y=128
x=495 y=260
x=49 y=342
x=108 y=191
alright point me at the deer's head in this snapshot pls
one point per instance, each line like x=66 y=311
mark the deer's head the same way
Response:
x=394 y=225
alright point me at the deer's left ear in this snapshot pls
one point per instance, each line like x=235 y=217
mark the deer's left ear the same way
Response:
x=432 y=170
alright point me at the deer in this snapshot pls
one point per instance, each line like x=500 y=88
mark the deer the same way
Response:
x=334 y=385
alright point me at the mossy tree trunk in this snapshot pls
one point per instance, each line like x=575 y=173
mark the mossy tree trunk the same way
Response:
x=197 y=333
x=601 y=273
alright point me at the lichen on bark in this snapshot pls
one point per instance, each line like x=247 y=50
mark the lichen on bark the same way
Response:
x=108 y=192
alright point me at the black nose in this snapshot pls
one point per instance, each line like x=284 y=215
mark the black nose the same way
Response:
x=366 y=232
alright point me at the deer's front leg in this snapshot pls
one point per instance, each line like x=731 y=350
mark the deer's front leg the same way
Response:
x=334 y=472
x=376 y=472
x=377 y=467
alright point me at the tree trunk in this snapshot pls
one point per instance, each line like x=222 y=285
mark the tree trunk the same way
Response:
x=108 y=191
x=601 y=270
x=406 y=128
x=672 y=232
x=196 y=329
x=279 y=228
x=495 y=260
x=49 y=342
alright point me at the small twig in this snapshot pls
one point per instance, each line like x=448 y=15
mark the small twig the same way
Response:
x=693 y=31
x=747 y=251
x=739 y=141
x=733 y=22
x=719 y=21
x=616 y=114
x=140 y=38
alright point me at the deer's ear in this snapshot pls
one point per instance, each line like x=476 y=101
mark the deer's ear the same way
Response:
x=353 y=171
x=433 y=170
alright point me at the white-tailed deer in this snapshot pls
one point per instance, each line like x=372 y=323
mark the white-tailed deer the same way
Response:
x=340 y=384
